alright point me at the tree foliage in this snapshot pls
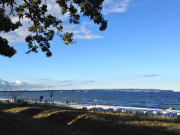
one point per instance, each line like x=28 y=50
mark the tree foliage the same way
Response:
x=43 y=25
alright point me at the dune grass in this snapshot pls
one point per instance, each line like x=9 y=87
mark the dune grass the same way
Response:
x=30 y=119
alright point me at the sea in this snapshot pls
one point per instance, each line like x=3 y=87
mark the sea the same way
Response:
x=159 y=100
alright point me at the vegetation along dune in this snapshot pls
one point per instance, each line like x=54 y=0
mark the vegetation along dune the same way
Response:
x=43 y=120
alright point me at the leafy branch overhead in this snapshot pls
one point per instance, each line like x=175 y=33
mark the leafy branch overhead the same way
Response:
x=43 y=25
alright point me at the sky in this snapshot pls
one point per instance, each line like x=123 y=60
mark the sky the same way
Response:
x=139 y=49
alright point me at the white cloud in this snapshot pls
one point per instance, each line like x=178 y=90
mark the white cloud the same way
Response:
x=17 y=36
x=87 y=36
x=54 y=9
x=81 y=32
x=115 y=6
x=83 y=29
x=17 y=83
x=107 y=2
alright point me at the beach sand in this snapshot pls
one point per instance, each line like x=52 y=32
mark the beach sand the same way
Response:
x=150 y=111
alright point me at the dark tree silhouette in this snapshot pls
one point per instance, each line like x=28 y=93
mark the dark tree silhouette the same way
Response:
x=43 y=24
x=15 y=94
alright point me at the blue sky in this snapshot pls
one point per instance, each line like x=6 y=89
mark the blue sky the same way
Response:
x=139 y=49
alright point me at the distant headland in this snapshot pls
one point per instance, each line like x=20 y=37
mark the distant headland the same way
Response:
x=143 y=90
x=86 y=90
x=123 y=90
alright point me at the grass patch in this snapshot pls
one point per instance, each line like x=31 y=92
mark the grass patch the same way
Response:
x=17 y=109
x=46 y=113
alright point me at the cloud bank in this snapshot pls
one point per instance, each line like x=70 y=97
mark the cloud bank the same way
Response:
x=15 y=85
x=151 y=75
x=46 y=84
x=74 y=83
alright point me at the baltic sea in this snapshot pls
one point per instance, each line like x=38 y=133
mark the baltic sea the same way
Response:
x=161 y=100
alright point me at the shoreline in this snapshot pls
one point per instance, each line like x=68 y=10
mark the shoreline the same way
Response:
x=121 y=109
